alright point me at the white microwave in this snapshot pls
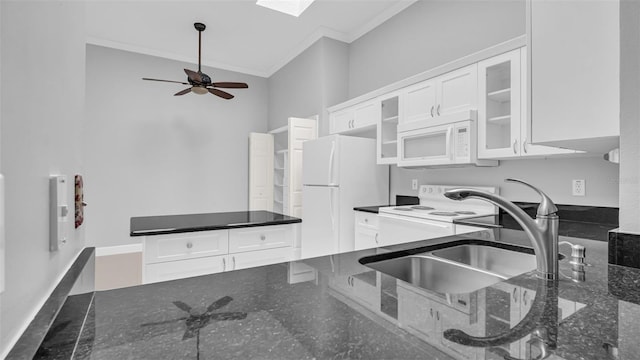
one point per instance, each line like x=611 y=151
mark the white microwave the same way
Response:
x=454 y=143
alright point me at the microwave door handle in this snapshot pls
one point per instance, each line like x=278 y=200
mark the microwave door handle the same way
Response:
x=450 y=145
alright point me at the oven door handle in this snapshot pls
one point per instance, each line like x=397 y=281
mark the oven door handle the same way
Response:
x=441 y=224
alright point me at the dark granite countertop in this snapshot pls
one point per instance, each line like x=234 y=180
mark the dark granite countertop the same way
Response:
x=345 y=310
x=370 y=209
x=170 y=224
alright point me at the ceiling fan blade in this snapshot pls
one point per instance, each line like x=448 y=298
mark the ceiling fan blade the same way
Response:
x=230 y=85
x=222 y=94
x=194 y=76
x=171 y=81
x=185 y=91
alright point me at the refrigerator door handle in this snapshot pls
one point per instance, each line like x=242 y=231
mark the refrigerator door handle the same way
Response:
x=331 y=157
x=333 y=227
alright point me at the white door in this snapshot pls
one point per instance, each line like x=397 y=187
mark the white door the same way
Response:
x=260 y=171
x=320 y=165
x=320 y=221
x=300 y=130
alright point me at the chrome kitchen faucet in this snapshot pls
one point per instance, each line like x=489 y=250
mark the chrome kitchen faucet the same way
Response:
x=543 y=231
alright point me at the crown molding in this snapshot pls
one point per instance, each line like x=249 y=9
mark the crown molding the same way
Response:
x=173 y=56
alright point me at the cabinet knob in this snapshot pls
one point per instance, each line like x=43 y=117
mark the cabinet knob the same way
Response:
x=366 y=220
x=189 y=245
x=224 y=264
x=263 y=238
x=438 y=110
x=432 y=110
x=524 y=146
x=234 y=262
x=376 y=238
x=515 y=297
x=515 y=144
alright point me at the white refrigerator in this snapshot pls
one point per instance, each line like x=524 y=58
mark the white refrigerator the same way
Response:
x=338 y=173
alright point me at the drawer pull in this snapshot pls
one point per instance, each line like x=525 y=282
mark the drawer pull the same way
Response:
x=234 y=262
x=224 y=265
x=263 y=238
x=189 y=245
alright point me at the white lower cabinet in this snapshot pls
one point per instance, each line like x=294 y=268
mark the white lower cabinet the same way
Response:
x=176 y=256
x=366 y=230
x=426 y=317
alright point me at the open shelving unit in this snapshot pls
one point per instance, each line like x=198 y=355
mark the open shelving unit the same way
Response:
x=388 y=130
x=280 y=173
x=498 y=105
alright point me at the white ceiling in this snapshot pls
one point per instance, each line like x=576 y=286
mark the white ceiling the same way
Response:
x=240 y=36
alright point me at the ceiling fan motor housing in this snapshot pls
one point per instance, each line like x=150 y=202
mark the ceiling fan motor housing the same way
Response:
x=199 y=26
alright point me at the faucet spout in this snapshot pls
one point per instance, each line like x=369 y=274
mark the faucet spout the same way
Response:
x=543 y=231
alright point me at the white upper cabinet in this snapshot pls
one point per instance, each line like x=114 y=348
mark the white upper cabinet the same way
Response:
x=354 y=120
x=503 y=132
x=443 y=95
x=575 y=73
x=387 y=135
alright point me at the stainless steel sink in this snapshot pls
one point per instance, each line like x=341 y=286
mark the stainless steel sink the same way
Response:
x=492 y=259
x=458 y=269
x=435 y=274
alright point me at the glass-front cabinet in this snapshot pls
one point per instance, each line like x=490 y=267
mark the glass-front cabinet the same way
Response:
x=387 y=139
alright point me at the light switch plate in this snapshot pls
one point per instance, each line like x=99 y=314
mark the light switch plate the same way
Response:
x=59 y=212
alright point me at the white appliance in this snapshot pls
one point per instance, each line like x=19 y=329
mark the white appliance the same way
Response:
x=451 y=141
x=338 y=173
x=433 y=217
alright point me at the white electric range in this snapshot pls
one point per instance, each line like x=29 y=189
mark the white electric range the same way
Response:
x=433 y=217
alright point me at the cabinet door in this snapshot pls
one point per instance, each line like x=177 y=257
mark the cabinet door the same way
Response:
x=259 y=258
x=448 y=318
x=260 y=237
x=528 y=149
x=172 y=247
x=575 y=73
x=419 y=102
x=341 y=121
x=499 y=107
x=387 y=130
x=184 y=268
x=416 y=314
x=300 y=130
x=456 y=91
x=366 y=237
x=261 y=171
x=366 y=115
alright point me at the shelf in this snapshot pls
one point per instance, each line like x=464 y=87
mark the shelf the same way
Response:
x=279 y=168
x=503 y=95
x=390 y=142
x=278 y=201
x=391 y=119
x=283 y=151
x=280 y=130
x=500 y=120
x=278 y=185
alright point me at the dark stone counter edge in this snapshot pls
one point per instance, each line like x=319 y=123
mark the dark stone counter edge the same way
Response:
x=215 y=227
x=624 y=249
x=28 y=343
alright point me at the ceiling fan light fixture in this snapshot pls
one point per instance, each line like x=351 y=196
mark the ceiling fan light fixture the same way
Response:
x=290 y=7
x=199 y=90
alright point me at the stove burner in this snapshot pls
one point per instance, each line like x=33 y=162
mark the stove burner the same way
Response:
x=466 y=212
x=402 y=209
x=443 y=213
x=422 y=207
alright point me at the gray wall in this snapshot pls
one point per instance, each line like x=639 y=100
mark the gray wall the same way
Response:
x=308 y=84
x=629 y=116
x=150 y=153
x=428 y=34
x=43 y=79
x=553 y=176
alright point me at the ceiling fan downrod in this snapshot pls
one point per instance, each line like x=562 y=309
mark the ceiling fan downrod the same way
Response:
x=200 y=27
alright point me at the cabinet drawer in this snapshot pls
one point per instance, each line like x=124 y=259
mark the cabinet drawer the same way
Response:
x=259 y=258
x=184 y=268
x=367 y=219
x=173 y=247
x=259 y=238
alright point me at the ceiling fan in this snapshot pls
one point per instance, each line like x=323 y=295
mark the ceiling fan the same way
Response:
x=201 y=82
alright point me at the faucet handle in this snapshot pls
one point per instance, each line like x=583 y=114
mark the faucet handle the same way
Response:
x=546 y=207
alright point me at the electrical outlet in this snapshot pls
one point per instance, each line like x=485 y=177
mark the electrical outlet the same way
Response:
x=579 y=187
x=414 y=184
